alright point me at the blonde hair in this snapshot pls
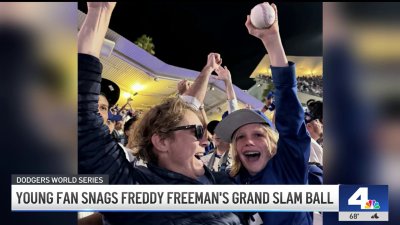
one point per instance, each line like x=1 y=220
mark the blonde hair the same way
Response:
x=158 y=120
x=271 y=148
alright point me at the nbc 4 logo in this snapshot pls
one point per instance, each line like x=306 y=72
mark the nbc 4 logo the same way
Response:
x=360 y=197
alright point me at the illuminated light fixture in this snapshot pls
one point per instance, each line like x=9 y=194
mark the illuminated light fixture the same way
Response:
x=126 y=95
x=107 y=48
x=137 y=87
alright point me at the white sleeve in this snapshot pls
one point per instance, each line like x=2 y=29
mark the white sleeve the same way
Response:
x=232 y=105
x=191 y=101
x=316 y=152
x=129 y=156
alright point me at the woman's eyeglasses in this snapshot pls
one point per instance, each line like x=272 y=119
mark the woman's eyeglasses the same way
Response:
x=198 y=131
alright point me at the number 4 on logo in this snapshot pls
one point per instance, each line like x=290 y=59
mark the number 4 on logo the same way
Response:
x=360 y=197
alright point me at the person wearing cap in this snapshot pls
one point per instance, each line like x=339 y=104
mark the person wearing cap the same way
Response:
x=167 y=138
x=269 y=102
x=315 y=163
x=269 y=105
x=259 y=155
x=219 y=159
x=315 y=129
x=315 y=108
x=128 y=129
x=109 y=95
x=118 y=133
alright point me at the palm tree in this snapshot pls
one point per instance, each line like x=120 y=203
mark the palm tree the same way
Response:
x=146 y=42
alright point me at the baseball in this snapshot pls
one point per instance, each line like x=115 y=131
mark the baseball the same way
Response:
x=262 y=15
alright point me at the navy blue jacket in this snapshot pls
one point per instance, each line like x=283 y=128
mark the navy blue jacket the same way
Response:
x=100 y=154
x=290 y=164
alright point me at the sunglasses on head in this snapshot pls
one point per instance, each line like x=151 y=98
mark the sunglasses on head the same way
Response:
x=198 y=131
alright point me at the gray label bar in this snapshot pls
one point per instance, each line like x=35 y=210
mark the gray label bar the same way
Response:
x=364 y=216
x=40 y=179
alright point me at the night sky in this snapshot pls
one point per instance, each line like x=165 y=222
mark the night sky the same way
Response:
x=184 y=32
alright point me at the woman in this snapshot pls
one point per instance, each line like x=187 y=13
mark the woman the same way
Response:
x=259 y=157
x=167 y=137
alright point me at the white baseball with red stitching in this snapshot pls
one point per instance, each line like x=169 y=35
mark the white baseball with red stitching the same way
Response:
x=262 y=15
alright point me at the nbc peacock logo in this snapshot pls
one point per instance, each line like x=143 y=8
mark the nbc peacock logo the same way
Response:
x=372 y=204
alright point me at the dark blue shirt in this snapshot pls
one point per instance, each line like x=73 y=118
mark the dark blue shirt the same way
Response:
x=290 y=164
